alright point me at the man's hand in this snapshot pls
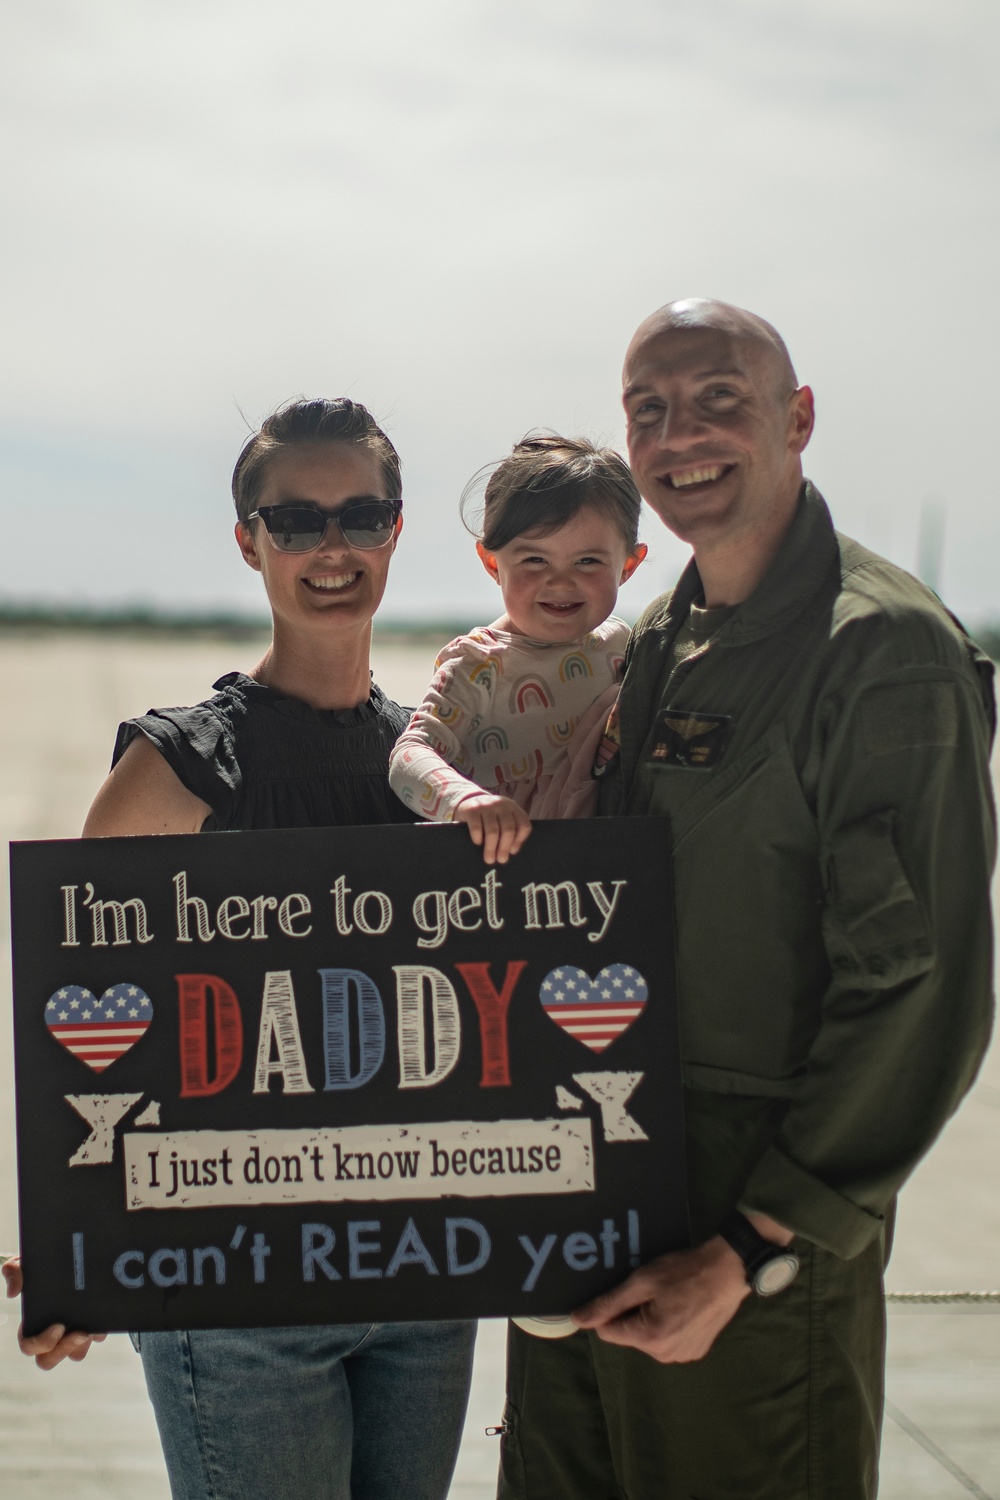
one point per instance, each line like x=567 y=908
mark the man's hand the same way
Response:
x=50 y=1348
x=497 y=823
x=675 y=1308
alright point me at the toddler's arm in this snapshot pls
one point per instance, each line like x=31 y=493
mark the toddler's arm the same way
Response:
x=427 y=765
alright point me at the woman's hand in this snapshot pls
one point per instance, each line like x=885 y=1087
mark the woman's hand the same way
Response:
x=50 y=1348
x=497 y=823
x=12 y=1274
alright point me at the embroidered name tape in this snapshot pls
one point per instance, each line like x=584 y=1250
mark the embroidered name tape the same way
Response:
x=691 y=742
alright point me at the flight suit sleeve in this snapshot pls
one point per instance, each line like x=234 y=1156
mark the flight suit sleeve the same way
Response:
x=907 y=845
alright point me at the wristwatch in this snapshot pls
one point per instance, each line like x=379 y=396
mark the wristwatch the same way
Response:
x=769 y=1267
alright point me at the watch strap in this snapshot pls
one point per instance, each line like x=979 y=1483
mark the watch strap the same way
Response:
x=751 y=1247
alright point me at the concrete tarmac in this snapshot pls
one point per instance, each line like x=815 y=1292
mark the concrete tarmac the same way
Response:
x=86 y=1432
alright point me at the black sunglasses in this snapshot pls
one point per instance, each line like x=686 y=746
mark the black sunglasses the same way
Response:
x=301 y=527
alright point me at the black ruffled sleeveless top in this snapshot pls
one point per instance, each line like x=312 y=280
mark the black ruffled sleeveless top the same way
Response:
x=261 y=760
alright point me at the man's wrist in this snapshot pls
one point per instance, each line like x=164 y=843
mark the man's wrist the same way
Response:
x=721 y=1258
x=724 y=1254
x=769 y=1265
x=770 y=1228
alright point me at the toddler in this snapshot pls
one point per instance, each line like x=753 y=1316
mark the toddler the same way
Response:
x=511 y=722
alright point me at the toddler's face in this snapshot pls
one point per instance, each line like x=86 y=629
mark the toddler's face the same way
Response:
x=560 y=586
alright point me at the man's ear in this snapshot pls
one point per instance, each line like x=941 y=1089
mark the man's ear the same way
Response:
x=398 y=529
x=247 y=545
x=802 y=418
x=488 y=561
x=635 y=557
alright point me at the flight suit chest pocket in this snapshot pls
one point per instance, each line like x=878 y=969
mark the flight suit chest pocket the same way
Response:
x=688 y=795
x=873 y=925
x=688 y=741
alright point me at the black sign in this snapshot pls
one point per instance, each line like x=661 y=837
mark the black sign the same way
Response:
x=342 y=1075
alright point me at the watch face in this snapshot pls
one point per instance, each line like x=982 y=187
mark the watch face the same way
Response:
x=775 y=1275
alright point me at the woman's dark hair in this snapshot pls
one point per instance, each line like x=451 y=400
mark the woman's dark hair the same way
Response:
x=316 y=421
x=545 y=481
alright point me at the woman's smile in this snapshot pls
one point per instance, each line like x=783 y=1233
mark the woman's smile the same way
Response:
x=332 y=582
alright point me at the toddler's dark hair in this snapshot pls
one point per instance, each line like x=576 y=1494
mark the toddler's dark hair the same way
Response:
x=545 y=481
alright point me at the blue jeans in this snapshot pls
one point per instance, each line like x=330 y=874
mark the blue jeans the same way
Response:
x=355 y=1411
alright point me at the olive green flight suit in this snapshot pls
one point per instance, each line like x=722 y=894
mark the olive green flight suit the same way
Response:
x=824 y=763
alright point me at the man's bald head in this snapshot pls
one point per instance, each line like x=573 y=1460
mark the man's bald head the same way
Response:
x=705 y=314
x=716 y=425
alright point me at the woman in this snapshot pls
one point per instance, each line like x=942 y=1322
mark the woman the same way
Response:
x=370 y=1411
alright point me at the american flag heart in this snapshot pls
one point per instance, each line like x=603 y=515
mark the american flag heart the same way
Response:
x=595 y=1011
x=98 y=1031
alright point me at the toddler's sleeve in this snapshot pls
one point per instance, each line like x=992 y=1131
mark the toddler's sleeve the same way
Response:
x=431 y=768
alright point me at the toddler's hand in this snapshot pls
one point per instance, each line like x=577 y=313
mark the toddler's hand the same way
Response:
x=497 y=823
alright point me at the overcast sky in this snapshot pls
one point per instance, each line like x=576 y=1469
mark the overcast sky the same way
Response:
x=457 y=211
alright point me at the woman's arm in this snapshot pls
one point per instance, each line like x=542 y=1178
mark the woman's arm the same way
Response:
x=141 y=796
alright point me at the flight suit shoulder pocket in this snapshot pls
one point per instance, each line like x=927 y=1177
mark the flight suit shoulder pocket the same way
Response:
x=874 y=928
x=906 y=716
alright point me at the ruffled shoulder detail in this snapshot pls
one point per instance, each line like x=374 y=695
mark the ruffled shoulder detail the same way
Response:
x=260 y=759
x=198 y=744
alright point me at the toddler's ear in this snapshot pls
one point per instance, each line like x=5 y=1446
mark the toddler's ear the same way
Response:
x=634 y=559
x=488 y=561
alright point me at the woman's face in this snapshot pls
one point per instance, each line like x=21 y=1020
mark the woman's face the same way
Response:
x=335 y=586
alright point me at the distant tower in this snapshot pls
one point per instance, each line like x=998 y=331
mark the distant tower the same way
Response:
x=930 y=542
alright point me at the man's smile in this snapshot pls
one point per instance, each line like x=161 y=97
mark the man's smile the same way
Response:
x=689 y=478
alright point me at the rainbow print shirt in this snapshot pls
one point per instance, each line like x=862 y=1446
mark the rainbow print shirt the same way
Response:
x=501 y=712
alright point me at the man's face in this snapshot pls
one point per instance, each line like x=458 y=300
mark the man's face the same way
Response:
x=714 y=436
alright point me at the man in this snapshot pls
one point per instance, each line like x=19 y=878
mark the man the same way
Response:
x=817 y=728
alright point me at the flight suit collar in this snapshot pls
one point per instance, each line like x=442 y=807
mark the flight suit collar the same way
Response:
x=808 y=556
